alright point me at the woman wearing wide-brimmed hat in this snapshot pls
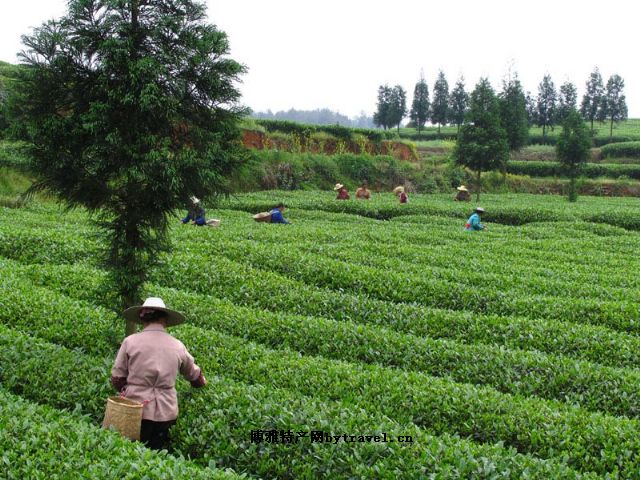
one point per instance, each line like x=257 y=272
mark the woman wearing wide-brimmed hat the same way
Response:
x=146 y=368
x=463 y=194
x=401 y=194
x=474 y=220
x=196 y=214
x=343 y=193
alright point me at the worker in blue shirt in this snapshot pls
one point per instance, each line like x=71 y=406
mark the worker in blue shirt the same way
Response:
x=276 y=214
x=474 y=220
x=196 y=213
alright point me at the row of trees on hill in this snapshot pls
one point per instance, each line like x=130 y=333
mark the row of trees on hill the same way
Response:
x=599 y=103
x=549 y=107
x=496 y=124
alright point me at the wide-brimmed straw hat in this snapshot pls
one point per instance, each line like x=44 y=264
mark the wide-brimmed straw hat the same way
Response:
x=398 y=189
x=338 y=186
x=155 y=303
x=462 y=188
x=480 y=210
x=194 y=200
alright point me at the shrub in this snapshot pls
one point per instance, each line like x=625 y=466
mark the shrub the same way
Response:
x=620 y=150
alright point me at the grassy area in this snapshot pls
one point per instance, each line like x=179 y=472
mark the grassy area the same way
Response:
x=629 y=128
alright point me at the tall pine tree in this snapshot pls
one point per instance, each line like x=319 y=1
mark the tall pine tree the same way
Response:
x=131 y=106
x=440 y=104
x=382 y=115
x=513 y=113
x=546 y=104
x=458 y=103
x=482 y=142
x=398 y=106
x=615 y=101
x=567 y=101
x=572 y=149
x=593 y=101
x=420 y=105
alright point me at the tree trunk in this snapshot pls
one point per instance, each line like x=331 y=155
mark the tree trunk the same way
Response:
x=592 y=125
x=438 y=129
x=479 y=186
x=573 y=194
x=131 y=270
x=611 y=129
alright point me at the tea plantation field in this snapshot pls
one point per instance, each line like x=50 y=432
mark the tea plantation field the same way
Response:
x=507 y=353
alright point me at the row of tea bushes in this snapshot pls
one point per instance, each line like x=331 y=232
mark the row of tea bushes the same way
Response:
x=40 y=443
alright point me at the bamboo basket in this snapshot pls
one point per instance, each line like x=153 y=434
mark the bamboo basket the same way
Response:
x=125 y=416
x=262 y=217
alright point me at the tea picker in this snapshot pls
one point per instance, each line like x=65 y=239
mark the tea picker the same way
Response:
x=196 y=213
x=474 y=220
x=145 y=371
x=274 y=216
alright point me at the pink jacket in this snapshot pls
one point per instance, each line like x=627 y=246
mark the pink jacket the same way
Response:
x=146 y=368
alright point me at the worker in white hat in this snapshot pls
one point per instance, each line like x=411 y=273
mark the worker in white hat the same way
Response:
x=196 y=214
x=463 y=194
x=401 y=194
x=474 y=220
x=146 y=367
x=343 y=193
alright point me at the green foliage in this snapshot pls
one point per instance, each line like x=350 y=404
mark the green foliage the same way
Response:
x=9 y=75
x=129 y=125
x=458 y=103
x=567 y=101
x=589 y=170
x=573 y=148
x=482 y=142
x=615 y=101
x=420 y=105
x=593 y=103
x=269 y=170
x=513 y=113
x=440 y=104
x=305 y=130
x=391 y=107
x=398 y=107
x=546 y=104
x=347 y=324
x=239 y=408
x=621 y=150
x=39 y=442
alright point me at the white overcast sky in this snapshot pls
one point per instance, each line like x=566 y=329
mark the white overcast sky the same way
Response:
x=335 y=53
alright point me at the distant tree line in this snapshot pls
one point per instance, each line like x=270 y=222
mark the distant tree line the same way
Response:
x=550 y=107
x=321 y=116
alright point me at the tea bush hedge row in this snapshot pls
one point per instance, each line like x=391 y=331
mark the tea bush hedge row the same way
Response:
x=546 y=429
x=215 y=424
x=510 y=371
x=40 y=443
